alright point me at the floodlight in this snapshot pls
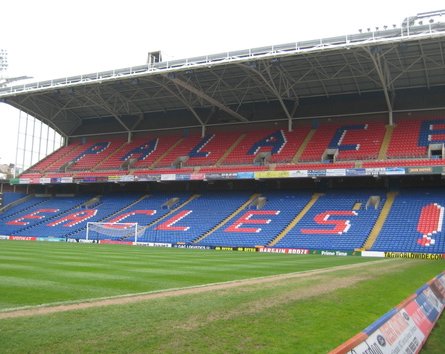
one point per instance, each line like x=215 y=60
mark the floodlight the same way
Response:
x=360 y=30
x=3 y=59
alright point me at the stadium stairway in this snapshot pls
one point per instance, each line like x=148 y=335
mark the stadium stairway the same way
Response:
x=51 y=159
x=107 y=162
x=230 y=149
x=295 y=221
x=226 y=220
x=62 y=156
x=303 y=146
x=385 y=144
x=390 y=196
x=166 y=152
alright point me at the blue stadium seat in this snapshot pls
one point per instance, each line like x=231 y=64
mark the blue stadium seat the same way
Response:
x=333 y=224
x=414 y=223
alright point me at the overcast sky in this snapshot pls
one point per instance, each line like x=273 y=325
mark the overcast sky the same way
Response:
x=49 y=39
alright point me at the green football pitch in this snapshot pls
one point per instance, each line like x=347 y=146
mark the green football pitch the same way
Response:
x=307 y=314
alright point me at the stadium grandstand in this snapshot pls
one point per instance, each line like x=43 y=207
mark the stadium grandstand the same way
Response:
x=328 y=144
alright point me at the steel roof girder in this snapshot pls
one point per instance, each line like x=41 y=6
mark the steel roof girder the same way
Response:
x=126 y=102
x=229 y=88
x=206 y=97
x=270 y=84
x=319 y=79
x=104 y=105
x=45 y=109
x=405 y=70
x=384 y=76
x=38 y=115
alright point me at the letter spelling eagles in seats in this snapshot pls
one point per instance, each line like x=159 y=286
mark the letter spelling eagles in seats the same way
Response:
x=276 y=141
x=432 y=131
x=337 y=139
x=93 y=150
x=196 y=151
x=143 y=150
x=430 y=223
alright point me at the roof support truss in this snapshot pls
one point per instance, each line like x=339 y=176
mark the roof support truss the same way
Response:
x=381 y=68
x=179 y=95
x=270 y=83
x=98 y=100
x=201 y=94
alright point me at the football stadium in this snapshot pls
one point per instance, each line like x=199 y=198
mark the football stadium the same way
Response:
x=281 y=199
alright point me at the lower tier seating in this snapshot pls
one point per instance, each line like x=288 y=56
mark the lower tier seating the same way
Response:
x=258 y=225
x=333 y=220
x=414 y=223
x=337 y=221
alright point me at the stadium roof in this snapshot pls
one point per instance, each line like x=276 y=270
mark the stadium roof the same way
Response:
x=150 y=96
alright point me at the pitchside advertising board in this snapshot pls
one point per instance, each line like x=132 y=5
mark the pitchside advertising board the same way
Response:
x=405 y=328
x=261 y=249
x=351 y=172
x=335 y=172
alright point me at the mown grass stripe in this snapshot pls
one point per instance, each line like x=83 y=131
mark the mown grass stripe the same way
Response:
x=210 y=286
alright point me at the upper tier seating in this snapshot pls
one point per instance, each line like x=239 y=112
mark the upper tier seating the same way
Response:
x=411 y=138
x=280 y=143
x=414 y=223
x=404 y=163
x=57 y=155
x=95 y=153
x=358 y=145
x=144 y=149
x=354 y=141
x=315 y=166
x=84 y=156
x=201 y=151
